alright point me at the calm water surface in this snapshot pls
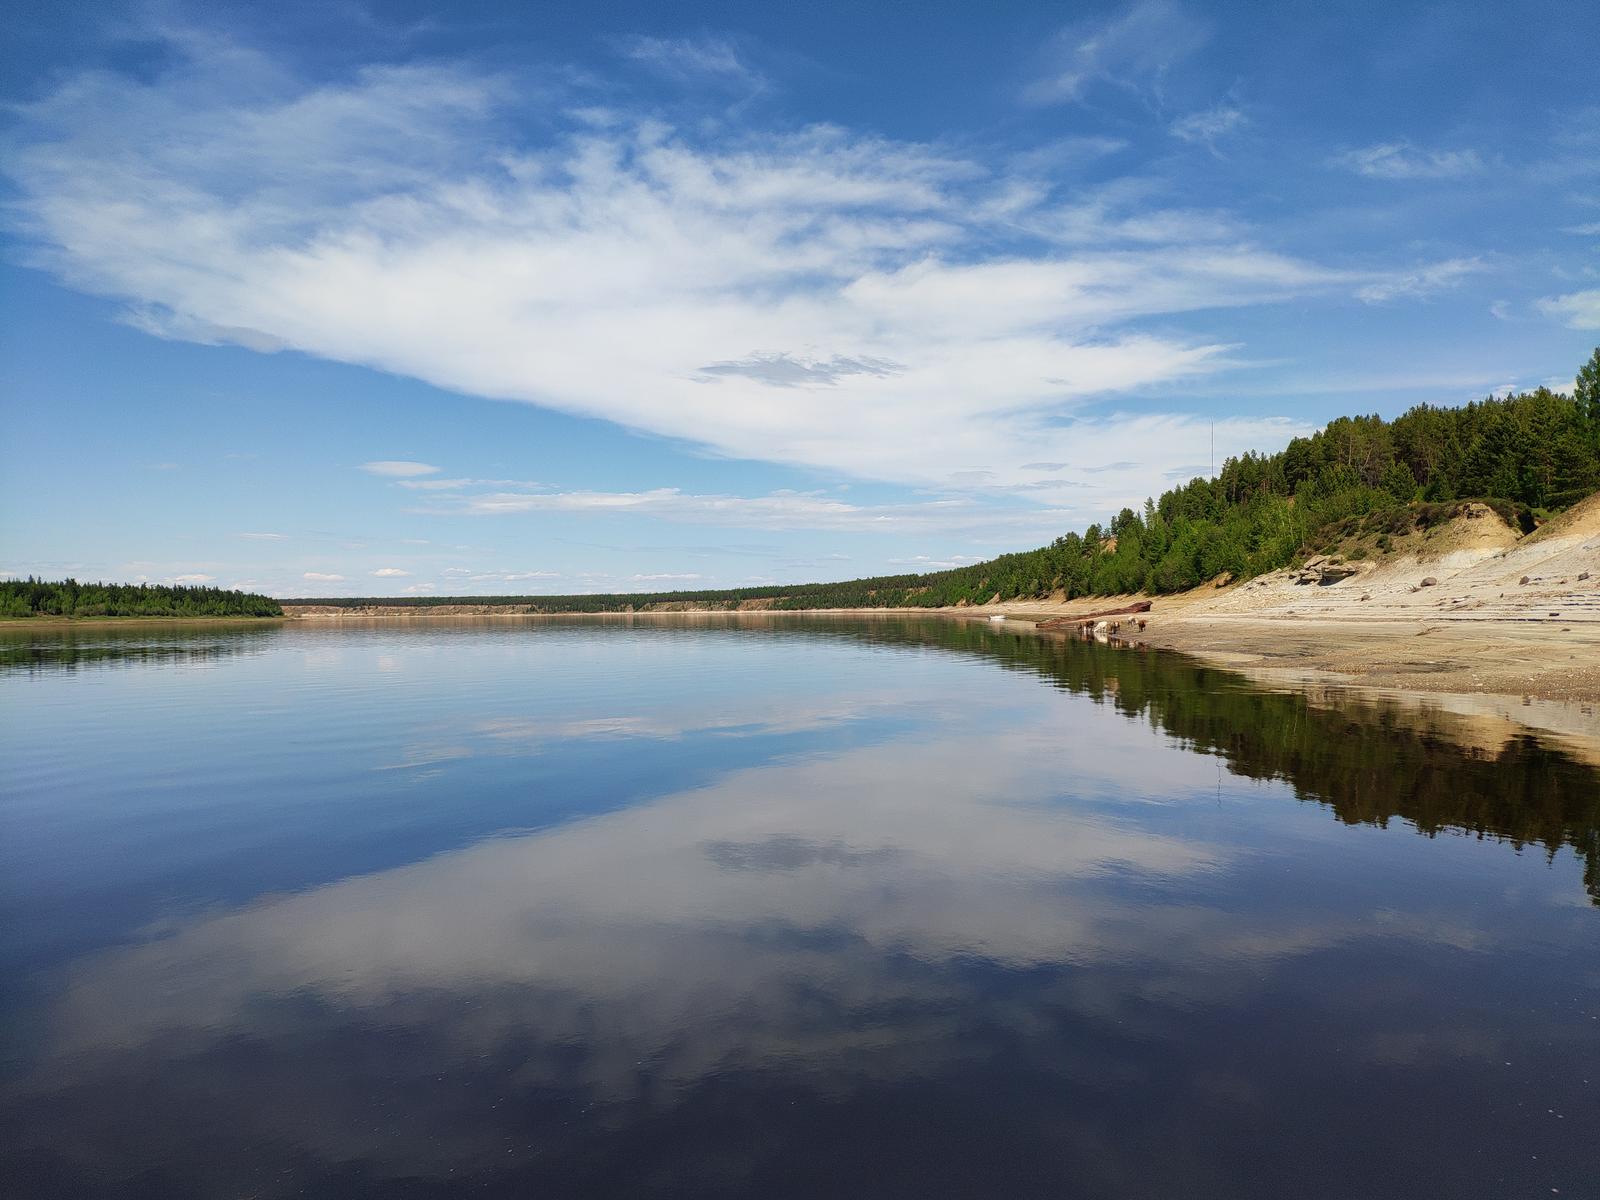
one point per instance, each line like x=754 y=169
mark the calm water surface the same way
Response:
x=772 y=908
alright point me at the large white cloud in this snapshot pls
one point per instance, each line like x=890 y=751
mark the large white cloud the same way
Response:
x=1579 y=310
x=814 y=297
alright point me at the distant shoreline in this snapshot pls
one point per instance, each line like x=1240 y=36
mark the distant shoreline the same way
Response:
x=1470 y=608
x=52 y=621
x=1503 y=672
x=1551 y=659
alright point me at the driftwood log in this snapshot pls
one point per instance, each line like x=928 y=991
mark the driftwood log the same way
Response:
x=1073 y=622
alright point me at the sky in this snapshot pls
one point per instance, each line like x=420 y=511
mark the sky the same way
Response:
x=391 y=298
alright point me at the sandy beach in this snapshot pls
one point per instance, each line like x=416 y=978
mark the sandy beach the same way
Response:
x=1471 y=619
x=1470 y=607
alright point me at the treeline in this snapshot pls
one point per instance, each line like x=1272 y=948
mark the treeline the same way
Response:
x=1527 y=455
x=68 y=598
x=892 y=591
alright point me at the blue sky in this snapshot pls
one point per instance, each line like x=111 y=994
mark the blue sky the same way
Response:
x=384 y=298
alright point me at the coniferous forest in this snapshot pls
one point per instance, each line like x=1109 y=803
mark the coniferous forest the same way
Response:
x=1528 y=455
x=69 y=598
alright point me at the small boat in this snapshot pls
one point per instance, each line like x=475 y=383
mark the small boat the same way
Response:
x=998 y=617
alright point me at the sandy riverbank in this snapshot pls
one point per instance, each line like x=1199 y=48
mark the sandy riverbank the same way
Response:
x=1413 y=653
x=1542 y=677
x=1470 y=619
x=1469 y=608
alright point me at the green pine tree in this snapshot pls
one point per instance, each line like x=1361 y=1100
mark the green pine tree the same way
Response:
x=1586 y=391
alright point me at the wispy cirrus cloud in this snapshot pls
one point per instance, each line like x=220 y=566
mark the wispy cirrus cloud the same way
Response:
x=1132 y=50
x=1208 y=127
x=451 y=485
x=1402 y=160
x=1424 y=281
x=978 y=503
x=715 y=60
x=398 y=469
x=775 y=511
x=927 y=562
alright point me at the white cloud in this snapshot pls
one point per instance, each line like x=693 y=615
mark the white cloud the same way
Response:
x=1133 y=50
x=448 y=485
x=1062 y=155
x=1401 y=160
x=320 y=577
x=1204 y=128
x=1590 y=230
x=265 y=537
x=1423 y=281
x=815 y=297
x=694 y=60
x=193 y=580
x=390 y=573
x=664 y=577
x=971 y=504
x=783 y=510
x=398 y=469
x=927 y=562
x=1578 y=310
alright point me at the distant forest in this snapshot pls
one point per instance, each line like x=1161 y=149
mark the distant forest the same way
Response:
x=69 y=598
x=1527 y=455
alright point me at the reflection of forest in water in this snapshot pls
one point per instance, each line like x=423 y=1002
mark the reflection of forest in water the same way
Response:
x=1369 y=761
x=44 y=651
